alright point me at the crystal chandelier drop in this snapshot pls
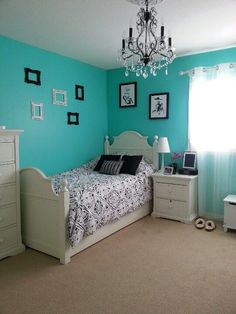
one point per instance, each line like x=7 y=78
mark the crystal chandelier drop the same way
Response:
x=147 y=53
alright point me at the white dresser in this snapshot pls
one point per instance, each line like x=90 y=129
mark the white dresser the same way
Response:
x=175 y=197
x=10 y=224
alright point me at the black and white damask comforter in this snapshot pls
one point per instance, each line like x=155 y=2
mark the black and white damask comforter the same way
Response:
x=97 y=199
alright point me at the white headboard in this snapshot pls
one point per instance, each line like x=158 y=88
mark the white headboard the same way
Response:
x=131 y=142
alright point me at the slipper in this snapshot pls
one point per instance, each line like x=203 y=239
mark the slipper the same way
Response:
x=210 y=225
x=200 y=223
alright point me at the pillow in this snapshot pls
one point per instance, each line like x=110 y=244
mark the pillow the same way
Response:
x=131 y=164
x=111 y=167
x=105 y=157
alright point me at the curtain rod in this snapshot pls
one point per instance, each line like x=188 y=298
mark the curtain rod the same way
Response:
x=205 y=69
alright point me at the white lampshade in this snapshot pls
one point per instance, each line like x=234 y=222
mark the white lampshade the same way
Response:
x=163 y=145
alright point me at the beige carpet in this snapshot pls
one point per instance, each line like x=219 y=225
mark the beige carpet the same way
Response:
x=152 y=266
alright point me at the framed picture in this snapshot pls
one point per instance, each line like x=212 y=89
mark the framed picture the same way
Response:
x=168 y=170
x=32 y=76
x=73 y=118
x=159 y=106
x=128 y=95
x=59 y=97
x=36 y=111
x=79 y=92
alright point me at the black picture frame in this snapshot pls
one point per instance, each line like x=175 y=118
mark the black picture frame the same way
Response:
x=28 y=76
x=72 y=118
x=159 y=106
x=79 y=92
x=128 y=94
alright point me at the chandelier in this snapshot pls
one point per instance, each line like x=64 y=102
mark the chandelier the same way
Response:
x=147 y=53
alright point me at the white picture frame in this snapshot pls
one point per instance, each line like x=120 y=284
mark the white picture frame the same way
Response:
x=37 y=111
x=59 y=97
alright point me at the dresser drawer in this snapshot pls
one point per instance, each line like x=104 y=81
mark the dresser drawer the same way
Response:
x=7 y=173
x=7 y=215
x=7 y=194
x=171 y=191
x=175 y=209
x=7 y=152
x=8 y=238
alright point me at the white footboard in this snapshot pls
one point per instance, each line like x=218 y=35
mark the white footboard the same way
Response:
x=44 y=217
x=44 y=214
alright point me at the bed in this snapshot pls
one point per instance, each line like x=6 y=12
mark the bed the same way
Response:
x=45 y=210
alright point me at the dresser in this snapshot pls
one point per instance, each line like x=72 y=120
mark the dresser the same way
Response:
x=10 y=224
x=175 y=197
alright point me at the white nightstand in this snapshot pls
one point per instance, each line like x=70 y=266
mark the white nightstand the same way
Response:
x=175 y=197
x=229 y=212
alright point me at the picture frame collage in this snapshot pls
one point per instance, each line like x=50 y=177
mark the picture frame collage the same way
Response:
x=59 y=97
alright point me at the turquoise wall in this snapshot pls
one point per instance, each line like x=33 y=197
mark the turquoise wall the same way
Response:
x=137 y=118
x=51 y=144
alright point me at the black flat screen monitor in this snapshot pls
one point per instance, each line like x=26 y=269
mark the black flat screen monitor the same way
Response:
x=190 y=160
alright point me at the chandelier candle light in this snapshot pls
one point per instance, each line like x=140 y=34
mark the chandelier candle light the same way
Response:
x=148 y=52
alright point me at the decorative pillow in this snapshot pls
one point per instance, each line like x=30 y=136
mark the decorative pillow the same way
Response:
x=131 y=164
x=106 y=157
x=111 y=167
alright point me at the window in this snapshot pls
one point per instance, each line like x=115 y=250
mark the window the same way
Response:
x=212 y=109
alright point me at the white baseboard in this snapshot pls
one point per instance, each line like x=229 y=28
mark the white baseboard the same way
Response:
x=212 y=216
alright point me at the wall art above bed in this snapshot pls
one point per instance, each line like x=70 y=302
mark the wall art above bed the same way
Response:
x=128 y=95
x=59 y=97
x=32 y=76
x=159 y=106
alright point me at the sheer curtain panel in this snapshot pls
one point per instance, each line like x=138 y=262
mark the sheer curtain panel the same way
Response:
x=212 y=133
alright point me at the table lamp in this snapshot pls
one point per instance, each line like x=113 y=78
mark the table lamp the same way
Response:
x=163 y=147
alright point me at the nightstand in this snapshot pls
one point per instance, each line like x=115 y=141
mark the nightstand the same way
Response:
x=175 y=197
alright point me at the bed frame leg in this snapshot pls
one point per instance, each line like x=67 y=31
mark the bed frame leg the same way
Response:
x=65 y=259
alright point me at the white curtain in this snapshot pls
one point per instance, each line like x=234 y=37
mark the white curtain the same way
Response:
x=212 y=133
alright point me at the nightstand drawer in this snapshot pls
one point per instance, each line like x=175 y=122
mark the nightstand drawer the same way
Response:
x=176 y=209
x=171 y=191
x=8 y=238
x=7 y=194
x=7 y=173
x=7 y=152
x=7 y=215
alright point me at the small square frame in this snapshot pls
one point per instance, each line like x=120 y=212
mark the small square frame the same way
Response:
x=73 y=118
x=36 y=111
x=56 y=93
x=79 y=92
x=29 y=72
x=159 y=106
x=128 y=95
x=168 y=171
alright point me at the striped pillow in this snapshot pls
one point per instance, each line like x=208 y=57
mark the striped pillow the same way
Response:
x=111 y=167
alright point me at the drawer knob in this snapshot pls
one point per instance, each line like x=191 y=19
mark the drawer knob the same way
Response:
x=1 y=241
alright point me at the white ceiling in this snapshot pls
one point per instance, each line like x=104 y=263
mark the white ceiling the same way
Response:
x=91 y=30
